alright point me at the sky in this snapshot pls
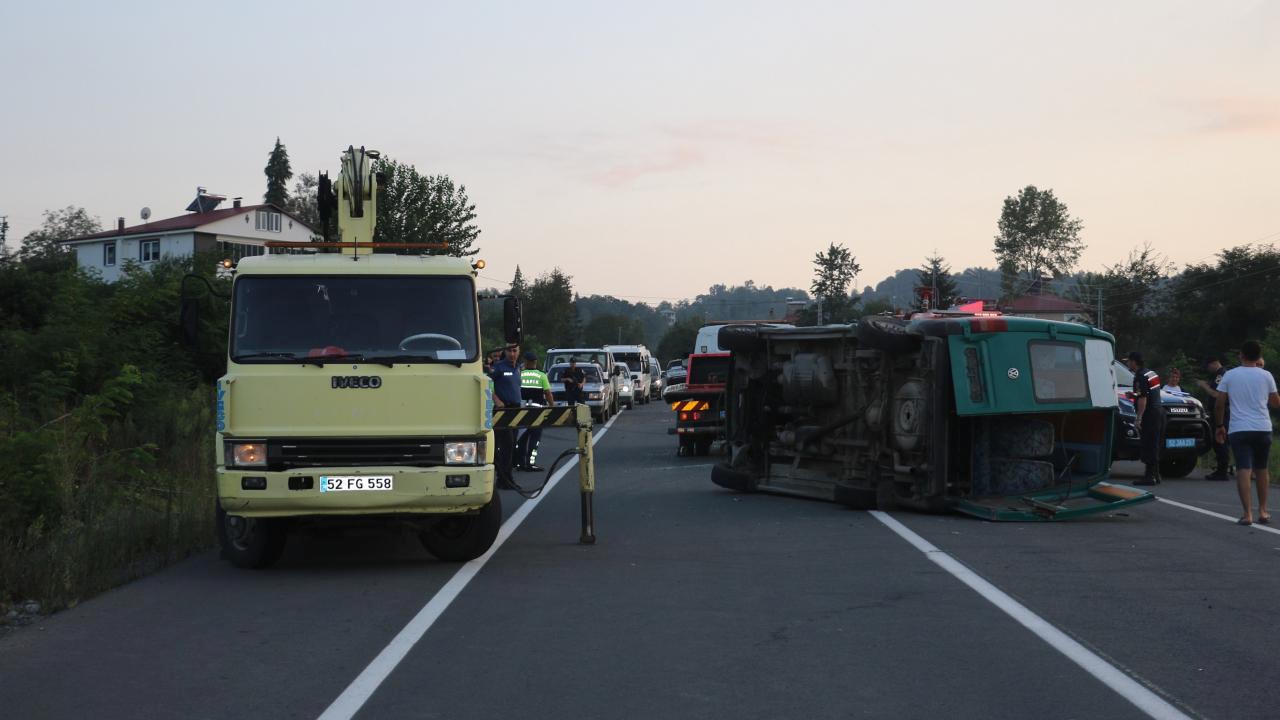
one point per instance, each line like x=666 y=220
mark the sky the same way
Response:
x=650 y=151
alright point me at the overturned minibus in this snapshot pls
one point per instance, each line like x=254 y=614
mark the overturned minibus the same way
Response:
x=1004 y=418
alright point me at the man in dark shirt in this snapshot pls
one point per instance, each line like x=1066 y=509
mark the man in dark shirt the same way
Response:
x=1221 y=456
x=506 y=391
x=573 y=379
x=1150 y=409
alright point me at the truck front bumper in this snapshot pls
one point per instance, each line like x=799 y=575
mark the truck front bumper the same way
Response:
x=415 y=490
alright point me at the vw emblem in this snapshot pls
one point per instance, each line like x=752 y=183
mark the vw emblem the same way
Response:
x=1013 y=373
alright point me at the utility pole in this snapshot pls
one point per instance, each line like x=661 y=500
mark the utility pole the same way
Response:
x=819 y=309
x=1100 y=327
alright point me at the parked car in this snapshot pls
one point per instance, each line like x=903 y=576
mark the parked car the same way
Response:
x=599 y=393
x=1187 y=433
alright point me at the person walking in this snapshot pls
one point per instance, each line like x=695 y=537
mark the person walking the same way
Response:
x=535 y=391
x=506 y=390
x=1150 y=410
x=1249 y=390
x=1221 y=454
x=573 y=379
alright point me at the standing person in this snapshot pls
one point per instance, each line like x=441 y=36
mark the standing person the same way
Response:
x=1222 y=457
x=573 y=379
x=535 y=391
x=1249 y=390
x=506 y=390
x=1146 y=393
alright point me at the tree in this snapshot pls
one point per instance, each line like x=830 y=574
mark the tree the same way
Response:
x=548 y=309
x=302 y=203
x=4 y=237
x=43 y=245
x=678 y=342
x=936 y=275
x=834 y=271
x=1131 y=294
x=416 y=208
x=278 y=173
x=519 y=286
x=611 y=330
x=1036 y=236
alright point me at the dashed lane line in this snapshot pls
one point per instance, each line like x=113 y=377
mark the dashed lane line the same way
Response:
x=362 y=688
x=1111 y=676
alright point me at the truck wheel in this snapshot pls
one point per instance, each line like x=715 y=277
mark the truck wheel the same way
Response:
x=465 y=537
x=1177 y=467
x=250 y=542
x=887 y=334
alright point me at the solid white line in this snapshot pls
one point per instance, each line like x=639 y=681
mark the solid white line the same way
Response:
x=1111 y=676
x=1210 y=513
x=358 y=692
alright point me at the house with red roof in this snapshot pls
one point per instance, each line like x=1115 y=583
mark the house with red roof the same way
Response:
x=234 y=232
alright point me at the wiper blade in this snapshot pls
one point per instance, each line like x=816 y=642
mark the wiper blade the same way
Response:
x=349 y=357
x=388 y=359
x=280 y=355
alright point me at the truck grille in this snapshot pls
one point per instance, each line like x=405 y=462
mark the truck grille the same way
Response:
x=352 y=452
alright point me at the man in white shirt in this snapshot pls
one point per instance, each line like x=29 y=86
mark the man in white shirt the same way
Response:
x=1249 y=390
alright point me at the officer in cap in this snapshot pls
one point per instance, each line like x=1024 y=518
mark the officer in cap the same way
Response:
x=1147 y=403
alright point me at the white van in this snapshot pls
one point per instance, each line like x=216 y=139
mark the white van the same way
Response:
x=708 y=340
x=640 y=364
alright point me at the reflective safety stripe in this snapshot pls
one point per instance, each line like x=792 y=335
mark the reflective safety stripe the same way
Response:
x=507 y=418
x=689 y=405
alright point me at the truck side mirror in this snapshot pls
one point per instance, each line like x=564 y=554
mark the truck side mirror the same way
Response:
x=512 y=324
x=189 y=323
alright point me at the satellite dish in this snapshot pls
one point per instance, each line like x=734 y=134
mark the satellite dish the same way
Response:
x=146 y=214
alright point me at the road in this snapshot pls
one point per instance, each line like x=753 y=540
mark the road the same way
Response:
x=695 y=603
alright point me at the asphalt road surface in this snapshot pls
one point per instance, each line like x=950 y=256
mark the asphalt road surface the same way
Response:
x=695 y=603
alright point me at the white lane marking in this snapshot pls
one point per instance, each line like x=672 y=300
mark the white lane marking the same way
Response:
x=680 y=467
x=358 y=692
x=1111 y=676
x=1256 y=525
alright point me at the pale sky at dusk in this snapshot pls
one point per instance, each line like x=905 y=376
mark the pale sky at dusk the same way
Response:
x=652 y=150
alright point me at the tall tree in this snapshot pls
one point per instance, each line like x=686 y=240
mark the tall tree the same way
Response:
x=43 y=245
x=834 y=271
x=612 y=329
x=548 y=309
x=4 y=236
x=935 y=275
x=1131 y=293
x=1037 y=235
x=278 y=173
x=519 y=286
x=416 y=208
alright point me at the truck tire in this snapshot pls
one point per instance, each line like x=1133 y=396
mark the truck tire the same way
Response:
x=887 y=334
x=739 y=338
x=1177 y=467
x=251 y=543
x=727 y=477
x=464 y=537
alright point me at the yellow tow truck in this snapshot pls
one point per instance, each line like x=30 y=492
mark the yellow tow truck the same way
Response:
x=354 y=390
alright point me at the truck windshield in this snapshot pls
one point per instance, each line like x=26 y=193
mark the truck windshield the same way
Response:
x=376 y=318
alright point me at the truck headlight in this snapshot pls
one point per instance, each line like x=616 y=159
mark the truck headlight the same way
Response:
x=460 y=453
x=247 y=454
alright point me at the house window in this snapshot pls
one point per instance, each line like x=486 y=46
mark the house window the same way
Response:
x=267 y=220
x=149 y=250
x=108 y=254
x=235 y=251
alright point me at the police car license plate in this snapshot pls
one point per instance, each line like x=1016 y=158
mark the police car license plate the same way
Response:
x=341 y=483
x=1180 y=442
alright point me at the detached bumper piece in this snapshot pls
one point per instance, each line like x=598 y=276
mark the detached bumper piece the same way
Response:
x=1060 y=503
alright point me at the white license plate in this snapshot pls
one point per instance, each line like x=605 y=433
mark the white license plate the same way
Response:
x=1180 y=442
x=341 y=483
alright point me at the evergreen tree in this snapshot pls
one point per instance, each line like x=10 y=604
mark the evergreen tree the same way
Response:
x=278 y=173
x=519 y=287
x=936 y=275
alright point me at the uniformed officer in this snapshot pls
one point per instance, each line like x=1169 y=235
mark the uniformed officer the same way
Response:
x=1222 y=469
x=535 y=391
x=506 y=390
x=1150 y=409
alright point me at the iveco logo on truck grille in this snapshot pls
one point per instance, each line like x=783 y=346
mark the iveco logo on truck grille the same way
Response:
x=367 y=382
